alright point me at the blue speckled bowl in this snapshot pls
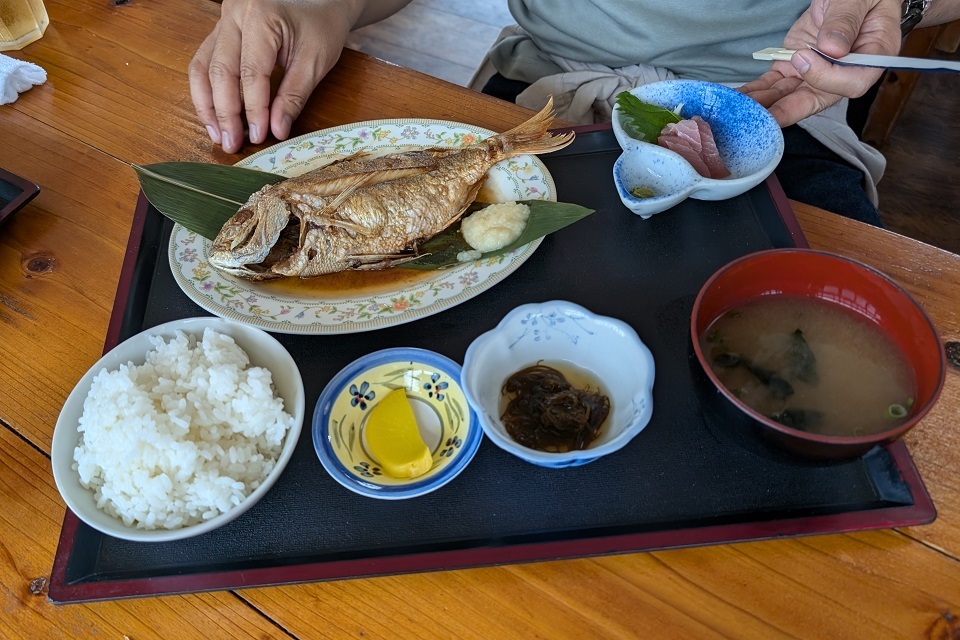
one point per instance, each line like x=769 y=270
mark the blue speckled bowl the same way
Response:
x=557 y=332
x=447 y=424
x=748 y=138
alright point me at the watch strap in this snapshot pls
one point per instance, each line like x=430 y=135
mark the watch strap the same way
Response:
x=913 y=11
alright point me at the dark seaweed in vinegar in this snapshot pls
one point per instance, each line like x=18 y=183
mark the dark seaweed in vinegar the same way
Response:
x=548 y=413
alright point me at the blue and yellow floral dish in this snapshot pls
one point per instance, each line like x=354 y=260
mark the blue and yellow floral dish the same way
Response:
x=748 y=138
x=447 y=424
x=560 y=332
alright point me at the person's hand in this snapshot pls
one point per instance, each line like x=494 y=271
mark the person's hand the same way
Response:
x=808 y=84
x=231 y=70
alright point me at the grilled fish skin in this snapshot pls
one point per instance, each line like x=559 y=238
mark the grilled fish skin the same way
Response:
x=366 y=212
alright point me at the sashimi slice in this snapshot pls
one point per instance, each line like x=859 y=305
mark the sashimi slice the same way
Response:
x=682 y=146
x=710 y=153
x=693 y=140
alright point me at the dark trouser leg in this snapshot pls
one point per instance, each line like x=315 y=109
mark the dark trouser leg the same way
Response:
x=814 y=175
x=504 y=88
x=809 y=172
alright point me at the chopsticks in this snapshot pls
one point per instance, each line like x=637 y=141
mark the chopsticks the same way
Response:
x=865 y=60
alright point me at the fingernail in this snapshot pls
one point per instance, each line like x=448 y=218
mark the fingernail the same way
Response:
x=213 y=133
x=254 y=133
x=840 y=38
x=800 y=62
x=286 y=122
x=227 y=142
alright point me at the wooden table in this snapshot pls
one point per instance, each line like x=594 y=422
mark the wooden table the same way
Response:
x=117 y=93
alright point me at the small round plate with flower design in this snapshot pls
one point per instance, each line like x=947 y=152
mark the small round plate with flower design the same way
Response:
x=447 y=424
x=355 y=301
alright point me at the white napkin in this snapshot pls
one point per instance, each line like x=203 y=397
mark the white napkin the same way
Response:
x=16 y=76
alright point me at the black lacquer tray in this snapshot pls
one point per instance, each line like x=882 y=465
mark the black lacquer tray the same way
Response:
x=683 y=481
x=15 y=192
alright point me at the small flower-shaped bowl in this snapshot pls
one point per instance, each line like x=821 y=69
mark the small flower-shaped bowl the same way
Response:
x=447 y=424
x=749 y=140
x=562 y=333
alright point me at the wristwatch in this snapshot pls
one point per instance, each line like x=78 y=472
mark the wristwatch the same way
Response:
x=913 y=11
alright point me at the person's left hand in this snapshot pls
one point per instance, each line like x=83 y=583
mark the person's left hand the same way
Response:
x=808 y=84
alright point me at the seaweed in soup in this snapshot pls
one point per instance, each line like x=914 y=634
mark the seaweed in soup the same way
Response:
x=812 y=365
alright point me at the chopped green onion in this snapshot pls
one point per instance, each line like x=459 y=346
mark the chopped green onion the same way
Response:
x=896 y=411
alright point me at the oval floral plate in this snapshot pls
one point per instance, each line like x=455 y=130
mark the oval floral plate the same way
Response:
x=300 y=310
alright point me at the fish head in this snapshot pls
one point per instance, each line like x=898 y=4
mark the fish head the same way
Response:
x=249 y=235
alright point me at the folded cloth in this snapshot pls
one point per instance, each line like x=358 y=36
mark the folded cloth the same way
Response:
x=16 y=76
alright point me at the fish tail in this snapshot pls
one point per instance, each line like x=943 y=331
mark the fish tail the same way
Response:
x=532 y=136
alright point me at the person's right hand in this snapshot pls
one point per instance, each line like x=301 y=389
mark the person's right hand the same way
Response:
x=230 y=73
x=807 y=84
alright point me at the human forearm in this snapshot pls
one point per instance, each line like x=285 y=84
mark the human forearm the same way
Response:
x=370 y=11
x=940 y=11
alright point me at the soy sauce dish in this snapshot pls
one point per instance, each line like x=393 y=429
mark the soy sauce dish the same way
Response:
x=814 y=355
x=606 y=352
x=747 y=137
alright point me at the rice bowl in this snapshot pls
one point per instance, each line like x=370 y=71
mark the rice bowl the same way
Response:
x=174 y=432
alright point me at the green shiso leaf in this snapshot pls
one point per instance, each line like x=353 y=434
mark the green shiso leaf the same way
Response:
x=644 y=121
x=198 y=195
x=545 y=218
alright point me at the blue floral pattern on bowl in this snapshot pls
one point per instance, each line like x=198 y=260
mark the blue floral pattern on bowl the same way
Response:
x=447 y=424
x=556 y=332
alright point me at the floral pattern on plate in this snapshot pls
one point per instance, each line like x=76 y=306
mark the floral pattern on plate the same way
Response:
x=446 y=422
x=265 y=306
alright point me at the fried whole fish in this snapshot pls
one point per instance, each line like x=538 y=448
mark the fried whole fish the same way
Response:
x=366 y=212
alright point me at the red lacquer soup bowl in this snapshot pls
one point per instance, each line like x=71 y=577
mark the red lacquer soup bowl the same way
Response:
x=835 y=280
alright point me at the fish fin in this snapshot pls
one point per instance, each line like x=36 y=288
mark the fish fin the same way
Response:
x=343 y=224
x=338 y=184
x=356 y=155
x=351 y=185
x=324 y=215
x=375 y=262
x=532 y=136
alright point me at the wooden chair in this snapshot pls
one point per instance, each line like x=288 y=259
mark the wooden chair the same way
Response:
x=895 y=87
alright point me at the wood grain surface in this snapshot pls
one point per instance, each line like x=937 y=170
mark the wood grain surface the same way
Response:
x=116 y=94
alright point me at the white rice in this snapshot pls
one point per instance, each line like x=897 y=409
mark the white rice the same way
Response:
x=182 y=438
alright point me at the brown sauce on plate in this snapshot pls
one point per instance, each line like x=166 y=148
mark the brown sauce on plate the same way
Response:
x=348 y=283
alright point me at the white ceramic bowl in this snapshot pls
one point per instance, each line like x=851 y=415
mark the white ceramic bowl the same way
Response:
x=558 y=332
x=447 y=424
x=263 y=350
x=748 y=138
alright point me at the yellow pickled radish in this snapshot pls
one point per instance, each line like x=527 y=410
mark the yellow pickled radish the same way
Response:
x=394 y=439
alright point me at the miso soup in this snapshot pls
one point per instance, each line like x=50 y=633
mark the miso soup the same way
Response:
x=811 y=365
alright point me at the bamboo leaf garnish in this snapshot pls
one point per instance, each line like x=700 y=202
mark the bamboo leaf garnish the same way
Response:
x=145 y=172
x=545 y=217
x=198 y=195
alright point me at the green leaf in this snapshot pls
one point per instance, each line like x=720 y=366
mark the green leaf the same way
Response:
x=198 y=195
x=644 y=121
x=545 y=218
